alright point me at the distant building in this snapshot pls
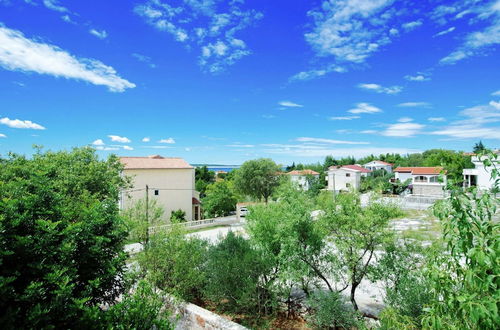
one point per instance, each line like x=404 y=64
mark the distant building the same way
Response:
x=345 y=178
x=424 y=180
x=479 y=176
x=300 y=177
x=170 y=180
x=378 y=165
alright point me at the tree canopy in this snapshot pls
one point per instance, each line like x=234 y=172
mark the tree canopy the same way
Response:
x=257 y=178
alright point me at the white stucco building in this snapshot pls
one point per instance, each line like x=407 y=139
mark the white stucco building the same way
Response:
x=479 y=176
x=424 y=180
x=378 y=165
x=345 y=178
x=300 y=177
x=170 y=182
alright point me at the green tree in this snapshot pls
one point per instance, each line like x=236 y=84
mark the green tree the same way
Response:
x=136 y=222
x=479 y=147
x=177 y=216
x=329 y=310
x=203 y=177
x=465 y=278
x=452 y=161
x=61 y=237
x=220 y=199
x=257 y=178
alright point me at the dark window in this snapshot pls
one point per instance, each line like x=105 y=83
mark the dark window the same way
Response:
x=157 y=192
x=348 y=174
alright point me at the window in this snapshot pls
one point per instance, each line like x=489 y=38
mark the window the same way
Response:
x=157 y=192
x=348 y=174
x=420 y=178
x=434 y=179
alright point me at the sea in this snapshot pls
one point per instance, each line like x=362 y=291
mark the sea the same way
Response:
x=216 y=168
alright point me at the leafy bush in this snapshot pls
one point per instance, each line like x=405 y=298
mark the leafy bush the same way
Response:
x=174 y=263
x=61 y=237
x=330 y=310
x=220 y=199
x=178 y=216
x=136 y=222
x=233 y=272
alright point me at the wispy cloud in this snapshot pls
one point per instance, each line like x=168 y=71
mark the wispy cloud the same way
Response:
x=104 y=148
x=410 y=26
x=403 y=129
x=120 y=139
x=268 y=116
x=99 y=34
x=418 y=77
x=365 y=108
x=327 y=141
x=168 y=141
x=17 y=123
x=316 y=73
x=314 y=151
x=290 y=104
x=497 y=93
x=98 y=142
x=436 y=119
x=128 y=148
x=442 y=33
x=146 y=139
x=18 y=53
x=144 y=59
x=381 y=89
x=405 y=119
x=3 y=135
x=207 y=25
x=240 y=145
x=414 y=105
x=344 y=118
x=54 y=5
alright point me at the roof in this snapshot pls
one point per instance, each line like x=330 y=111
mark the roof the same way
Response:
x=379 y=162
x=154 y=162
x=195 y=201
x=357 y=168
x=303 y=172
x=419 y=170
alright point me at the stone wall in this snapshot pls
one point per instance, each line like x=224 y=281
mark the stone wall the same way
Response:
x=196 y=318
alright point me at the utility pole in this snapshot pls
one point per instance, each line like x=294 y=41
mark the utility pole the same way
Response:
x=147 y=215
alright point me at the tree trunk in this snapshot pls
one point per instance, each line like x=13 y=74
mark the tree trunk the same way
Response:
x=353 y=292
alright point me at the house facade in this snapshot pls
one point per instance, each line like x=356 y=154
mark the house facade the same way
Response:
x=170 y=181
x=424 y=180
x=378 y=165
x=479 y=176
x=300 y=177
x=345 y=178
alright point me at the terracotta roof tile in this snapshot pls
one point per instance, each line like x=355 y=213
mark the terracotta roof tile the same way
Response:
x=420 y=170
x=154 y=162
x=357 y=168
x=303 y=172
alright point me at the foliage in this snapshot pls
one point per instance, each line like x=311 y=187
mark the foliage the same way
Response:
x=329 y=310
x=257 y=178
x=136 y=222
x=452 y=161
x=465 y=278
x=178 y=216
x=61 y=242
x=174 y=263
x=233 y=273
x=220 y=199
x=316 y=184
x=478 y=147
x=355 y=233
x=378 y=181
x=144 y=308
x=203 y=177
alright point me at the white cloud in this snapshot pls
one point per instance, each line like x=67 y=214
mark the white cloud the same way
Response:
x=315 y=73
x=17 y=123
x=312 y=151
x=418 y=77
x=442 y=33
x=98 y=142
x=405 y=119
x=403 y=129
x=67 y=19
x=128 y=148
x=208 y=25
x=240 y=145
x=99 y=34
x=169 y=141
x=18 y=53
x=146 y=139
x=144 y=59
x=3 y=135
x=290 y=104
x=365 y=108
x=268 y=116
x=344 y=118
x=410 y=26
x=497 y=93
x=54 y=5
x=120 y=139
x=369 y=131
x=474 y=124
x=103 y=148
x=380 y=89
x=436 y=119
x=328 y=141
x=414 y=105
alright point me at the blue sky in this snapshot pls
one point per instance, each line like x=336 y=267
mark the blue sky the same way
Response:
x=225 y=81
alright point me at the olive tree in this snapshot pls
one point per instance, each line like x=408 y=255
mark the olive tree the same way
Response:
x=257 y=178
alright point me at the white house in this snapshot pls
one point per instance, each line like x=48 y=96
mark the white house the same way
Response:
x=300 y=177
x=424 y=180
x=480 y=175
x=345 y=178
x=378 y=165
x=170 y=181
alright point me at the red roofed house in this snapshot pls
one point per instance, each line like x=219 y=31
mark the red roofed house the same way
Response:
x=170 y=182
x=300 y=177
x=378 y=165
x=345 y=178
x=425 y=180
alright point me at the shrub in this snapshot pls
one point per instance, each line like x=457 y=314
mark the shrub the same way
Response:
x=135 y=219
x=220 y=199
x=330 y=310
x=178 y=216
